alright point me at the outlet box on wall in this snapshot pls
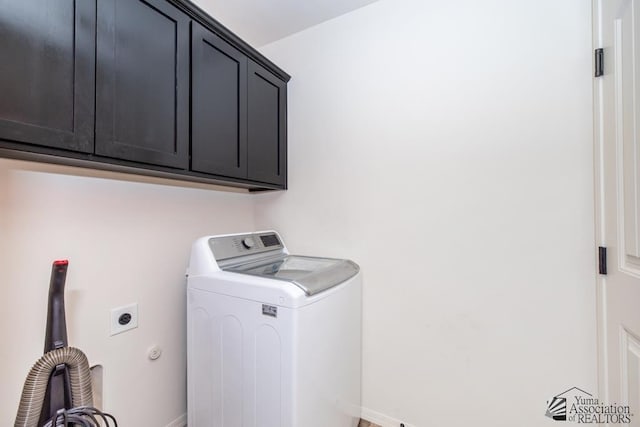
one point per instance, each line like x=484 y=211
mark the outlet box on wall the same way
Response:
x=124 y=318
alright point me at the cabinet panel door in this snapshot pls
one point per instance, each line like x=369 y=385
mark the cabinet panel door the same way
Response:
x=142 y=87
x=219 y=106
x=47 y=72
x=267 y=137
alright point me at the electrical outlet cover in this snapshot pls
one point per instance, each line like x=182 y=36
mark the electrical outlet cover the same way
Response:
x=117 y=313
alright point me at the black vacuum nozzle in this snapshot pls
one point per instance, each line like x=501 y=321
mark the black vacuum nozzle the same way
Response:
x=58 y=392
x=56 y=332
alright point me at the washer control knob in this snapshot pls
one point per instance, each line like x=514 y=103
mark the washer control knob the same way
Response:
x=248 y=242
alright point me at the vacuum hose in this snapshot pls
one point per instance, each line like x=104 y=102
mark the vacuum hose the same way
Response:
x=35 y=385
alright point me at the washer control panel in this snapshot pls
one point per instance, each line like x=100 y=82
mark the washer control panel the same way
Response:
x=227 y=247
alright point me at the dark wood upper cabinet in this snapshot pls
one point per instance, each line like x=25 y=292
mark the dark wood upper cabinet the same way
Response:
x=238 y=113
x=47 y=73
x=142 y=82
x=267 y=109
x=155 y=87
x=218 y=105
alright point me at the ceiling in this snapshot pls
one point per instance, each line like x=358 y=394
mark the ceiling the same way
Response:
x=260 y=22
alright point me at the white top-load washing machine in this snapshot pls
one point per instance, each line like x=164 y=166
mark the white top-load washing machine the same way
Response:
x=274 y=340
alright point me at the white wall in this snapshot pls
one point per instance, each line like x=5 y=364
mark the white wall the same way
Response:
x=128 y=240
x=447 y=148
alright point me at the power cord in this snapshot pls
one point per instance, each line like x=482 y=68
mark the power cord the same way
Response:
x=83 y=416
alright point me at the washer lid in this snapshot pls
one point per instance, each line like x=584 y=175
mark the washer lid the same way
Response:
x=311 y=274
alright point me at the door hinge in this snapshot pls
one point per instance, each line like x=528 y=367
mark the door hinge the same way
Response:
x=599 y=62
x=602 y=260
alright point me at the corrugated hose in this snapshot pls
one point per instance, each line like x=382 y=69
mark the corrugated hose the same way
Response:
x=35 y=385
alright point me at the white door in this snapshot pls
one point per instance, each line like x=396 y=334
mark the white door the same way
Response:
x=617 y=131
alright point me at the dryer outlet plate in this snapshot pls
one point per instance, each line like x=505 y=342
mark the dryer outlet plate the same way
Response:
x=124 y=318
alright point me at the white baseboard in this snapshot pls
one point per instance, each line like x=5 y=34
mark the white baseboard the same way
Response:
x=381 y=419
x=367 y=414
x=181 y=421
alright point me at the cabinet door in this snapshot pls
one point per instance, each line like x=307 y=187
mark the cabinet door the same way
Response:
x=142 y=83
x=267 y=137
x=218 y=106
x=47 y=72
